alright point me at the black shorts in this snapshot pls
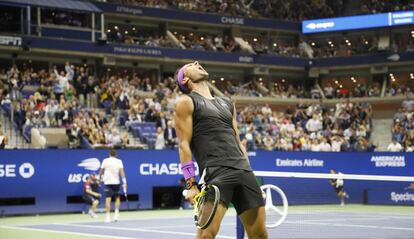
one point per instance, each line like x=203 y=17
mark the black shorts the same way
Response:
x=339 y=189
x=111 y=190
x=89 y=199
x=236 y=186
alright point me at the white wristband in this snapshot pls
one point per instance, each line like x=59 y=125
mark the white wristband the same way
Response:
x=124 y=180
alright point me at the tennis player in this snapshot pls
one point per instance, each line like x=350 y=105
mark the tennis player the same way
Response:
x=206 y=128
x=338 y=185
x=111 y=169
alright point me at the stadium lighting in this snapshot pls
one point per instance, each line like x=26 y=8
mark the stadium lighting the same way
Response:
x=352 y=78
x=275 y=84
x=255 y=39
x=260 y=79
x=332 y=45
x=330 y=42
x=341 y=86
x=191 y=34
x=202 y=38
x=222 y=79
x=313 y=44
x=346 y=40
x=412 y=76
x=109 y=30
x=366 y=42
x=275 y=44
x=349 y=44
x=116 y=27
x=213 y=81
x=126 y=32
x=283 y=80
x=133 y=29
x=336 y=82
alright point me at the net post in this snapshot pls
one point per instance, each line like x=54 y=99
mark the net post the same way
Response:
x=239 y=228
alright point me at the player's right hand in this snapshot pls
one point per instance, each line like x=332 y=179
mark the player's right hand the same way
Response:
x=190 y=194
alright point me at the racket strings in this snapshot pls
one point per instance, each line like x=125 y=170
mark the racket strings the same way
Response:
x=206 y=204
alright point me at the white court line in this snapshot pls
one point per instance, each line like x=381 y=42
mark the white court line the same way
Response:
x=342 y=219
x=176 y=226
x=65 y=232
x=139 y=230
x=351 y=225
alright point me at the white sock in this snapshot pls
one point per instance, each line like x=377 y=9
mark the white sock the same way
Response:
x=116 y=211
x=108 y=214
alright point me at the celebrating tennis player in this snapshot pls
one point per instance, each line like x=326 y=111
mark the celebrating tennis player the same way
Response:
x=111 y=169
x=206 y=128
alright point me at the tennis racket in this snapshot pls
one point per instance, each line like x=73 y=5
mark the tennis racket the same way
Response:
x=126 y=199
x=205 y=205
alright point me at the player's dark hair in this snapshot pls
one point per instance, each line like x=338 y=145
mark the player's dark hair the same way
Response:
x=112 y=153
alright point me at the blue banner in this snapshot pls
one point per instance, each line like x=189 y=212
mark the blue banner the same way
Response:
x=51 y=176
x=201 y=17
x=190 y=55
x=358 y=22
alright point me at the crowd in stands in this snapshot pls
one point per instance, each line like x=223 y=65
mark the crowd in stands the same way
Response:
x=377 y=6
x=134 y=35
x=87 y=106
x=403 y=128
x=400 y=90
x=285 y=90
x=90 y=108
x=66 y=18
x=207 y=42
x=308 y=127
x=292 y=10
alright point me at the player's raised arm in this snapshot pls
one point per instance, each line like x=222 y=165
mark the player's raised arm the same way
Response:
x=184 y=128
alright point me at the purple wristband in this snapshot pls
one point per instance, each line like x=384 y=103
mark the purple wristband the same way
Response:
x=188 y=170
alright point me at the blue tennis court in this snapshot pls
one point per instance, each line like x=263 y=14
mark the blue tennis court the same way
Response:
x=323 y=221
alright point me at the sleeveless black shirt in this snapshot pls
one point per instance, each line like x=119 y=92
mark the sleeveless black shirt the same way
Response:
x=214 y=141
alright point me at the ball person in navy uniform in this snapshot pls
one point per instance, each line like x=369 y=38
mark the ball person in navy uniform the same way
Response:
x=206 y=128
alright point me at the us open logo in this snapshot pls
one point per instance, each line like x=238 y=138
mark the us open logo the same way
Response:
x=91 y=164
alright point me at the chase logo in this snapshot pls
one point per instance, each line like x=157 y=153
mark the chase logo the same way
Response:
x=26 y=170
x=91 y=164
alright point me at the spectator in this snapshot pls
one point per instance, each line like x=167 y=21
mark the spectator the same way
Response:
x=61 y=82
x=314 y=124
x=394 y=146
x=3 y=139
x=324 y=146
x=170 y=136
x=160 y=141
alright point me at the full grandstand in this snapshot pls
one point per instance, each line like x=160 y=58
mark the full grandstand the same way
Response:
x=78 y=78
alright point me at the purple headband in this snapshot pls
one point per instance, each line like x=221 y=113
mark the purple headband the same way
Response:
x=180 y=78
